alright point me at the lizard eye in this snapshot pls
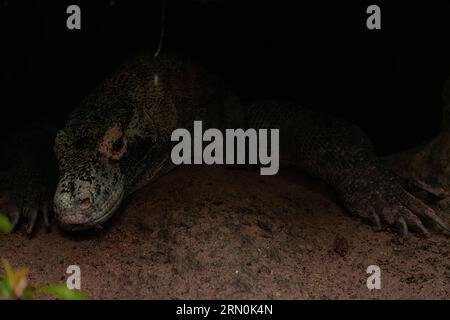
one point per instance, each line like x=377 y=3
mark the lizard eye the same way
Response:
x=115 y=143
x=118 y=145
x=118 y=148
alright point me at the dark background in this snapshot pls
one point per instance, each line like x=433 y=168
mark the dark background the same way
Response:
x=318 y=53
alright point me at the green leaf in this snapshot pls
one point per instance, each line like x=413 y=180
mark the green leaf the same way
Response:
x=28 y=293
x=61 y=292
x=5 y=290
x=5 y=225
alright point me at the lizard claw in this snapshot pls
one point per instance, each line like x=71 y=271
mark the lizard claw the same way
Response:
x=436 y=191
x=18 y=203
x=402 y=226
x=28 y=172
x=14 y=216
x=381 y=198
x=46 y=214
x=375 y=218
x=31 y=214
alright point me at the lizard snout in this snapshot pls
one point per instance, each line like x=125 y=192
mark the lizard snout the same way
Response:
x=88 y=200
x=72 y=209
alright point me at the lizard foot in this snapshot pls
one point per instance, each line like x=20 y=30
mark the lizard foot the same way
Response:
x=380 y=197
x=26 y=203
x=29 y=177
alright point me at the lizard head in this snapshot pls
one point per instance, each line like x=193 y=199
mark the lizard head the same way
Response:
x=91 y=184
x=118 y=138
x=112 y=144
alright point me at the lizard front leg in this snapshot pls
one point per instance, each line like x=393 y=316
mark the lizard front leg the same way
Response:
x=29 y=176
x=375 y=194
x=343 y=158
x=340 y=154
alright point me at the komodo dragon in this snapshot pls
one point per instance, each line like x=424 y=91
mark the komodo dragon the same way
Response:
x=118 y=140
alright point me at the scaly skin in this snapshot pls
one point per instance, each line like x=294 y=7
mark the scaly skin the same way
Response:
x=118 y=140
x=340 y=154
x=28 y=174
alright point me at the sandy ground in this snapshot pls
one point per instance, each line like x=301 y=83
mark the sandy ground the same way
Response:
x=213 y=232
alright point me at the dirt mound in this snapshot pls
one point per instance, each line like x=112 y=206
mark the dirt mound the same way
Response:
x=212 y=232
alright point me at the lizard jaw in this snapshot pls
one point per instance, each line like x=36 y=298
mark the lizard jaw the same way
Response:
x=74 y=214
x=79 y=222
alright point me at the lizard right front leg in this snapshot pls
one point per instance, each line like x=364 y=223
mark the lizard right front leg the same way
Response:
x=29 y=176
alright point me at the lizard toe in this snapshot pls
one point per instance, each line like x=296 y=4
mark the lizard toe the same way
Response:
x=46 y=213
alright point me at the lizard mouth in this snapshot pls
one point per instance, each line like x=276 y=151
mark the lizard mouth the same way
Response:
x=84 y=220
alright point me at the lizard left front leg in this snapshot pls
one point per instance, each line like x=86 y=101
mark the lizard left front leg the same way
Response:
x=339 y=153
x=375 y=194
x=367 y=188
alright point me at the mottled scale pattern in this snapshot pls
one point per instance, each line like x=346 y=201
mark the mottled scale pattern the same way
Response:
x=148 y=97
x=340 y=154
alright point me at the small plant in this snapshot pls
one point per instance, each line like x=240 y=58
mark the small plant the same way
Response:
x=14 y=284
x=5 y=225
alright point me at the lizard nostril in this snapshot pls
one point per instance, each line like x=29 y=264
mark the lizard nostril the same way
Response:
x=85 y=203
